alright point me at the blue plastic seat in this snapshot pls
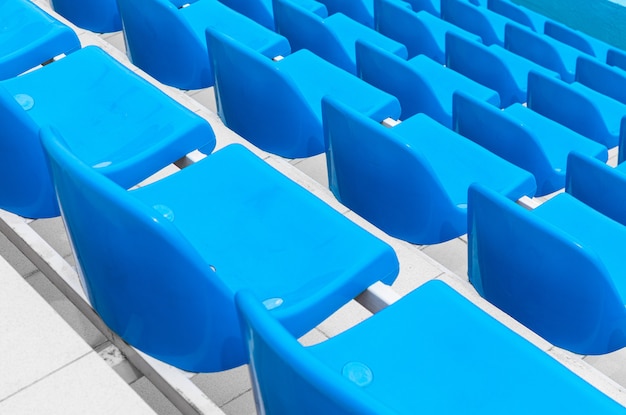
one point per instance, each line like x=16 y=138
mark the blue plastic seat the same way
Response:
x=421 y=32
x=411 y=180
x=492 y=66
x=432 y=352
x=544 y=50
x=277 y=104
x=101 y=16
x=161 y=264
x=525 y=138
x=330 y=37
x=616 y=58
x=111 y=118
x=420 y=84
x=577 y=39
x=605 y=79
x=598 y=186
x=361 y=11
x=481 y=21
x=258 y=10
x=577 y=107
x=30 y=37
x=558 y=269
x=519 y=14
x=167 y=40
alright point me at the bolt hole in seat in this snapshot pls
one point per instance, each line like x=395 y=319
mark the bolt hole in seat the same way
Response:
x=29 y=37
x=166 y=283
x=111 y=118
x=431 y=352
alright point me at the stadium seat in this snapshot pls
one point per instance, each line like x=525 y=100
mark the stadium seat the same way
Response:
x=420 y=31
x=420 y=84
x=166 y=38
x=557 y=269
x=605 y=79
x=114 y=120
x=411 y=180
x=432 y=352
x=277 y=104
x=577 y=39
x=101 y=16
x=258 y=10
x=361 y=11
x=543 y=50
x=331 y=37
x=161 y=264
x=518 y=13
x=492 y=66
x=30 y=37
x=525 y=138
x=481 y=21
x=577 y=107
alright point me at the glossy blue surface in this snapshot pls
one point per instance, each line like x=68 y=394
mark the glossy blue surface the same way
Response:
x=110 y=117
x=605 y=79
x=29 y=37
x=576 y=39
x=577 y=107
x=525 y=138
x=481 y=21
x=331 y=37
x=162 y=263
x=543 y=50
x=100 y=16
x=361 y=11
x=519 y=14
x=421 y=32
x=408 y=359
x=258 y=10
x=598 y=185
x=564 y=281
x=289 y=123
x=420 y=84
x=168 y=42
x=492 y=66
x=411 y=180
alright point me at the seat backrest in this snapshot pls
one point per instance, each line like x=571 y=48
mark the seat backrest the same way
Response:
x=501 y=134
x=258 y=10
x=541 y=49
x=518 y=14
x=422 y=32
x=145 y=280
x=101 y=16
x=538 y=274
x=361 y=11
x=615 y=57
x=397 y=77
x=287 y=378
x=605 y=79
x=25 y=187
x=162 y=43
x=558 y=101
x=576 y=39
x=241 y=76
x=598 y=185
x=483 y=65
x=475 y=19
x=30 y=37
x=373 y=171
x=299 y=22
